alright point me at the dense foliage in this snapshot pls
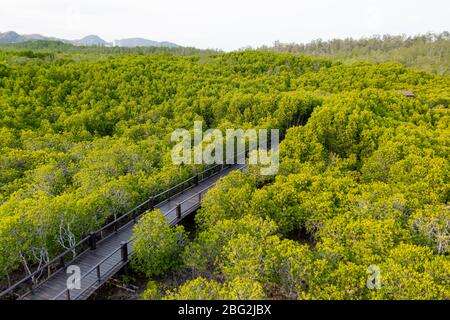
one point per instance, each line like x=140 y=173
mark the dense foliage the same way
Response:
x=157 y=246
x=363 y=186
x=85 y=141
x=363 y=177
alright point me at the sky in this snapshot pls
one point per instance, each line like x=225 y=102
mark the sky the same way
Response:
x=225 y=24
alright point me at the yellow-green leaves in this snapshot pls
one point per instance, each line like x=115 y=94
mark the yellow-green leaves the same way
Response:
x=157 y=246
x=239 y=288
x=230 y=198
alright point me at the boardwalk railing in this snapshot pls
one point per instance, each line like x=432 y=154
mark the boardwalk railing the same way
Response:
x=100 y=273
x=90 y=242
x=192 y=203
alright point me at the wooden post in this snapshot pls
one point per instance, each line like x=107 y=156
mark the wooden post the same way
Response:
x=99 y=275
x=151 y=203
x=68 y=294
x=92 y=241
x=124 y=255
x=196 y=179
x=199 y=197
x=124 y=251
x=179 y=211
x=30 y=284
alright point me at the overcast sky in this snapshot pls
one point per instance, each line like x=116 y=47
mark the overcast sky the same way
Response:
x=225 y=24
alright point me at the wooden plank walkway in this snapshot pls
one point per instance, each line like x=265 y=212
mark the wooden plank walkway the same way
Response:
x=98 y=265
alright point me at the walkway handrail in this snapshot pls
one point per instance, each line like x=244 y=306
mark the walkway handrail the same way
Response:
x=198 y=196
x=89 y=241
x=57 y=259
x=129 y=253
x=98 y=270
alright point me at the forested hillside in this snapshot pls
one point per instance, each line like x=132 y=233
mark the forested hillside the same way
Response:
x=364 y=172
x=429 y=52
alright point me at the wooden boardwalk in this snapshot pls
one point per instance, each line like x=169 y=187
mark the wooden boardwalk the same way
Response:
x=113 y=252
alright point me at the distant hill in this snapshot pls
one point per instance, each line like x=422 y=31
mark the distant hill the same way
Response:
x=141 y=42
x=90 y=40
x=10 y=37
x=14 y=37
